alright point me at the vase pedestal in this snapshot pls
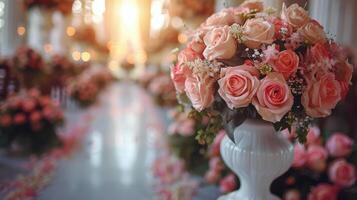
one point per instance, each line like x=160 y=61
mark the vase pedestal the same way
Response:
x=258 y=156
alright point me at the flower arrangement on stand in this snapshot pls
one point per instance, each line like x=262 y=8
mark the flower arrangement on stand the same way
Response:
x=257 y=70
x=30 y=67
x=28 y=123
x=87 y=87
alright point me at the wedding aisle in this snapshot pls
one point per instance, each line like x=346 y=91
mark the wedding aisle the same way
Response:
x=115 y=159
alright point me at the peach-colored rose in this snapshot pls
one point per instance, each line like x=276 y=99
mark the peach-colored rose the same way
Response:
x=321 y=95
x=323 y=192
x=228 y=183
x=282 y=29
x=252 y=5
x=295 y=15
x=300 y=156
x=237 y=86
x=339 y=145
x=220 y=44
x=312 y=32
x=180 y=71
x=200 y=91
x=274 y=98
x=319 y=52
x=197 y=45
x=286 y=63
x=316 y=158
x=258 y=31
x=222 y=18
x=343 y=71
x=342 y=173
x=292 y=194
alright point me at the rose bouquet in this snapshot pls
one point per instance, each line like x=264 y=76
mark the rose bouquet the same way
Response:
x=28 y=123
x=163 y=90
x=63 y=70
x=251 y=62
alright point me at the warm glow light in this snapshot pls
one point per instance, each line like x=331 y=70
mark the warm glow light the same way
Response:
x=182 y=38
x=128 y=12
x=76 y=55
x=158 y=18
x=71 y=31
x=85 y=56
x=98 y=9
x=21 y=30
x=48 y=48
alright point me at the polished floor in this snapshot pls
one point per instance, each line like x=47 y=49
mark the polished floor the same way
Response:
x=114 y=162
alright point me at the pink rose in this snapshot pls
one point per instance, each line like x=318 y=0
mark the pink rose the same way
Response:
x=28 y=105
x=215 y=163
x=180 y=71
x=220 y=44
x=289 y=135
x=313 y=136
x=312 y=32
x=292 y=195
x=258 y=31
x=200 y=91
x=274 y=98
x=343 y=71
x=48 y=113
x=339 y=145
x=215 y=147
x=225 y=17
x=300 y=156
x=321 y=95
x=282 y=29
x=186 y=127
x=342 y=173
x=252 y=5
x=319 y=52
x=5 y=120
x=237 y=86
x=228 y=184
x=197 y=45
x=212 y=176
x=286 y=63
x=295 y=15
x=19 y=119
x=35 y=116
x=323 y=192
x=316 y=158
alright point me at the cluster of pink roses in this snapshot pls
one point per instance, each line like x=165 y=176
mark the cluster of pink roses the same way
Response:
x=86 y=88
x=30 y=120
x=330 y=159
x=279 y=65
x=32 y=109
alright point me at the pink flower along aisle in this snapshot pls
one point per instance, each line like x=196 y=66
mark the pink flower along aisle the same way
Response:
x=178 y=100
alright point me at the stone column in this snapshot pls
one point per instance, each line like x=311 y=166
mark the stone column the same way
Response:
x=12 y=17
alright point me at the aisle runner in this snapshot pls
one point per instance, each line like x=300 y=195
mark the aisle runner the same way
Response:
x=42 y=170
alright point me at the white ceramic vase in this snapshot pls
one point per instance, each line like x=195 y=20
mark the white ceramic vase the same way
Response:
x=258 y=156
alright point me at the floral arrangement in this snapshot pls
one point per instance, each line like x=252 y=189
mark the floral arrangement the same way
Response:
x=87 y=87
x=250 y=62
x=64 y=6
x=30 y=66
x=163 y=90
x=28 y=123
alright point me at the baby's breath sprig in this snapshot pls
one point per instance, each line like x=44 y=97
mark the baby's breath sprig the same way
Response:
x=296 y=84
x=236 y=31
x=205 y=67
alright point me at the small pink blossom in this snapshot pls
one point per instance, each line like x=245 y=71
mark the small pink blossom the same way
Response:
x=342 y=173
x=228 y=183
x=323 y=192
x=339 y=145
